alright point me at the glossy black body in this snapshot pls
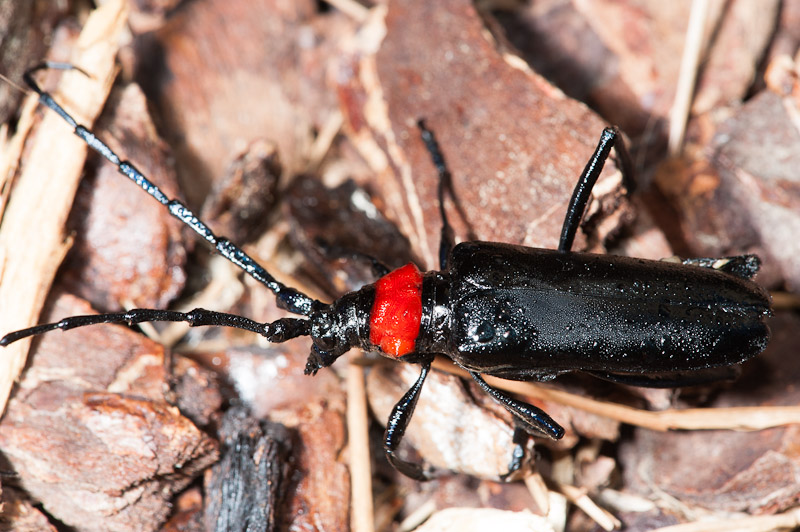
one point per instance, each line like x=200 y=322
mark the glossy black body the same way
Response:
x=526 y=313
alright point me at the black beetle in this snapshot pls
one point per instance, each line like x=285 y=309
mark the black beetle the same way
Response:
x=497 y=309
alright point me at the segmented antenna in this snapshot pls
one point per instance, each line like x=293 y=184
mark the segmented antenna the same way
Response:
x=288 y=298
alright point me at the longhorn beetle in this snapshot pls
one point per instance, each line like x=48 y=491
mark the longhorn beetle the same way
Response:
x=498 y=309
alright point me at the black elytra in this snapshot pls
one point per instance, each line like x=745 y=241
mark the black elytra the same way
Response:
x=503 y=310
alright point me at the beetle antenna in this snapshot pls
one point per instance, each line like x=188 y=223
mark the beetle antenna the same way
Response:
x=288 y=298
x=278 y=331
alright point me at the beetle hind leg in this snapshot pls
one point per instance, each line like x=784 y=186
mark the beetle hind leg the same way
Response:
x=520 y=440
x=743 y=266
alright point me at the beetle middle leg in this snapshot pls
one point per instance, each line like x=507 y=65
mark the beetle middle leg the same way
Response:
x=534 y=419
x=528 y=421
x=610 y=138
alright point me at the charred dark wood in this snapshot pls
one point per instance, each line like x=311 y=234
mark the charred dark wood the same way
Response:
x=244 y=490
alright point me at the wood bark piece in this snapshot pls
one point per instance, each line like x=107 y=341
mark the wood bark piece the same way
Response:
x=90 y=434
x=755 y=472
x=741 y=193
x=245 y=490
x=322 y=497
x=31 y=236
x=272 y=384
x=241 y=199
x=647 y=38
x=17 y=513
x=623 y=57
x=226 y=72
x=514 y=143
x=197 y=391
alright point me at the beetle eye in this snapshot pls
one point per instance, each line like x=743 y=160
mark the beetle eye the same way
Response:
x=323 y=336
x=325 y=343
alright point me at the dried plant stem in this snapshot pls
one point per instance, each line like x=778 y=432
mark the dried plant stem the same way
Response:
x=32 y=241
x=361 y=506
x=735 y=418
x=579 y=498
x=760 y=523
x=687 y=76
x=351 y=8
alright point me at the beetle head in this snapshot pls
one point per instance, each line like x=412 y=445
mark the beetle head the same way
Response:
x=336 y=329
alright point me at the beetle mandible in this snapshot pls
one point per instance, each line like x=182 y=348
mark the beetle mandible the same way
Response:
x=498 y=309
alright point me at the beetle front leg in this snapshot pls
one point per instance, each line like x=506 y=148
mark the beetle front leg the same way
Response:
x=447 y=240
x=379 y=269
x=398 y=423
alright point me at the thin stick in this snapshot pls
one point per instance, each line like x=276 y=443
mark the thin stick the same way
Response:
x=32 y=242
x=759 y=523
x=735 y=418
x=538 y=490
x=361 y=505
x=351 y=8
x=693 y=47
x=579 y=498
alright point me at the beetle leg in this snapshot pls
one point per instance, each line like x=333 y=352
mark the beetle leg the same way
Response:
x=676 y=379
x=744 y=266
x=533 y=419
x=379 y=269
x=520 y=440
x=447 y=239
x=398 y=423
x=611 y=137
